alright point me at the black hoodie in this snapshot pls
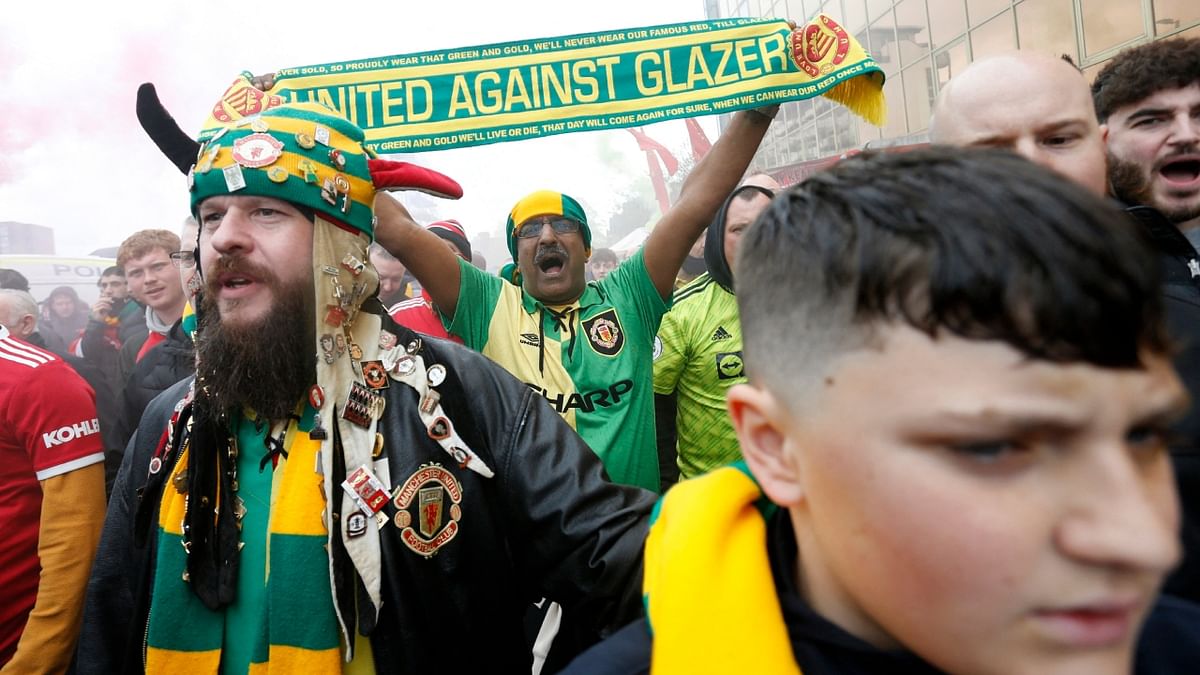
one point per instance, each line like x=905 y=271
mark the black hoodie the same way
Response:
x=1181 y=302
x=714 y=240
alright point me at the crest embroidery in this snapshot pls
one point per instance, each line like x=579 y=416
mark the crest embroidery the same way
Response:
x=437 y=523
x=604 y=333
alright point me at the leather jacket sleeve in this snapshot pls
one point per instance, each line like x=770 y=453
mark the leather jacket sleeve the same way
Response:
x=578 y=536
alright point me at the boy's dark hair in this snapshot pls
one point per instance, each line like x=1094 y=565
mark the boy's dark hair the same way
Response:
x=977 y=243
x=10 y=278
x=113 y=269
x=1145 y=70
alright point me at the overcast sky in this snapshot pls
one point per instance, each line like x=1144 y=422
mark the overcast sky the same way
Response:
x=73 y=157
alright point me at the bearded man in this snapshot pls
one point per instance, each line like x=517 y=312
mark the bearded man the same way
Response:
x=332 y=491
x=1149 y=98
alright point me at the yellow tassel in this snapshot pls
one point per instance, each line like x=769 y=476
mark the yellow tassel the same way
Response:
x=863 y=96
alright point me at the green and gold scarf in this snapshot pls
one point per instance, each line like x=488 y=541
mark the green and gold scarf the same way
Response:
x=299 y=630
x=509 y=91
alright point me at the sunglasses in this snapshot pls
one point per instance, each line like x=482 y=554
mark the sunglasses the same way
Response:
x=533 y=226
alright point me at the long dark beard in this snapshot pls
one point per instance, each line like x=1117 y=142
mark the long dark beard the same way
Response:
x=265 y=365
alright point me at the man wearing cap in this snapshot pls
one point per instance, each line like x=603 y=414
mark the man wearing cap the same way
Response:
x=332 y=491
x=419 y=313
x=586 y=348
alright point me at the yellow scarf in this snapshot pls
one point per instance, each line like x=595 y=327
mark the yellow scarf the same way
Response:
x=709 y=593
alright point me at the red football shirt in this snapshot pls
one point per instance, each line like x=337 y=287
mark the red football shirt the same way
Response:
x=48 y=427
x=419 y=315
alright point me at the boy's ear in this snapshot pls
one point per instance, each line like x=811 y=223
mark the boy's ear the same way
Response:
x=758 y=420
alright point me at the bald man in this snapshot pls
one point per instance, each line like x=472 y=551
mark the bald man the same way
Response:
x=1035 y=105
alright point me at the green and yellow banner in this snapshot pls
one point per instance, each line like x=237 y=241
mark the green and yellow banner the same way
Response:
x=501 y=92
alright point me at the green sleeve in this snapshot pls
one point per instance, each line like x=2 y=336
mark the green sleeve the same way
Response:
x=478 y=293
x=670 y=353
x=631 y=280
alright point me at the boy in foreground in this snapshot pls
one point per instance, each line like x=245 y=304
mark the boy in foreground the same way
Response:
x=953 y=440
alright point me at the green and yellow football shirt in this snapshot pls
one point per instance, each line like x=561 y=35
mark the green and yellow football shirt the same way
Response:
x=591 y=359
x=698 y=356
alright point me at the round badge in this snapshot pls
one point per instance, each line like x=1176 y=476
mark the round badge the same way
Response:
x=436 y=374
x=341 y=183
x=277 y=174
x=455 y=512
x=155 y=465
x=316 y=396
x=414 y=346
x=305 y=141
x=337 y=159
x=378 y=449
x=257 y=150
x=403 y=519
x=258 y=125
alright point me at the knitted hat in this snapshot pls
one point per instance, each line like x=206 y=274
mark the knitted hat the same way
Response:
x=303 y=153
x=310 y=156
x=545 y=203
x=453 y=232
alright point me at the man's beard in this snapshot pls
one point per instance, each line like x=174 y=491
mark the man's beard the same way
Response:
x=264 y=365
x=1132 y=184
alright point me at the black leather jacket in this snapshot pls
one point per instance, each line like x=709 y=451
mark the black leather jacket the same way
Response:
x=548 y=524
x=1181 y=300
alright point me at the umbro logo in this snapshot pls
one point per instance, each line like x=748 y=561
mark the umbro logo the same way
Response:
x=721 y=334
x=531 y=339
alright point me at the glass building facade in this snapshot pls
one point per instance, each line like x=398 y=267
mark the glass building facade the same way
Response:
x=921 y=44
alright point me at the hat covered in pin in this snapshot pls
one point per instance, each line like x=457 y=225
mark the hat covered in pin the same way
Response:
x=545 y=203
x=312 y=157
x=303 y=153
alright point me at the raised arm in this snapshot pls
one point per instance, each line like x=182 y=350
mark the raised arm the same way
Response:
x=705 y=189
x=424 y=254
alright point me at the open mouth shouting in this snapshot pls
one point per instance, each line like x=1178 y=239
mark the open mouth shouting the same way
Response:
x=551 y=260
x=1181 y=172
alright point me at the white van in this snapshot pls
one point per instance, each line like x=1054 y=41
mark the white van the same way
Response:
x=47 y=272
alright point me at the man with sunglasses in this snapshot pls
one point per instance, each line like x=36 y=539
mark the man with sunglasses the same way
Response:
x=698 y=351
x=586 y=347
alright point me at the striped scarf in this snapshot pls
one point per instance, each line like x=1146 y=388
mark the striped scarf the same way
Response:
x=299 y=628
x=709 y=593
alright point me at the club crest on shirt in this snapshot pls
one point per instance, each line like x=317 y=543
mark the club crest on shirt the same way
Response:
x=431 y=500
x=604 y=333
